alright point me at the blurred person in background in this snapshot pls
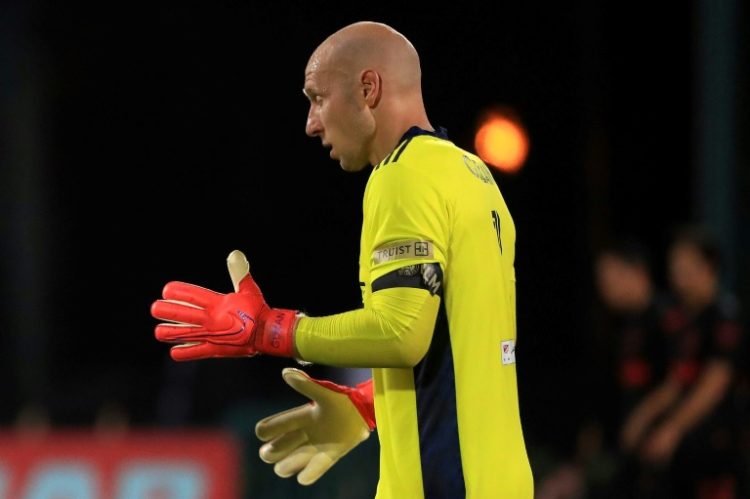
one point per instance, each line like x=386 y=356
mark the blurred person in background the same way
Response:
x=627 y=362
x=686 y=429
x=637 y=347
x=635 y=351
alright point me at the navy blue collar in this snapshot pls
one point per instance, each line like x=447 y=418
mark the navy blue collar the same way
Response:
x=440 y=133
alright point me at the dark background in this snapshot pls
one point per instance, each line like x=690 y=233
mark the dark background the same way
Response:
x=142 y=144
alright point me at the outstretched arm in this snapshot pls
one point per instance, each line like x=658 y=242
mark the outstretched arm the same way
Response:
x=393 y=331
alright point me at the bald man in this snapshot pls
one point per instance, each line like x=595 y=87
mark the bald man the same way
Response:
x=438 y=323
x=364 y=87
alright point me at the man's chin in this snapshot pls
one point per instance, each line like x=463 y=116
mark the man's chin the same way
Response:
x=348 y=166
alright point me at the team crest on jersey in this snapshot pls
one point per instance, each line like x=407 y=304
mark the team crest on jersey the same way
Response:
x=508 y=351
x=401 y=250
x=478 y=169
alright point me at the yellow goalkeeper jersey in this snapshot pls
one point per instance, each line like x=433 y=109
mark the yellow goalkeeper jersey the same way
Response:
x=449 y=427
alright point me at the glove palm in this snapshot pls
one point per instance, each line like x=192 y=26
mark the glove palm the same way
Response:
x=309 y=439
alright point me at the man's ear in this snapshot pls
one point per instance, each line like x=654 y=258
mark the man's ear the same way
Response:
x=372 y=88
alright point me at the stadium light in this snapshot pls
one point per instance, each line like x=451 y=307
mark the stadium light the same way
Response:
x=502 y=142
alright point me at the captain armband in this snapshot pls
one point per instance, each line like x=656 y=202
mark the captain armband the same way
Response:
x=428 y=276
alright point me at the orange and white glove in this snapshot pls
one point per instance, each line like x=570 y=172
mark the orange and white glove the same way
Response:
x=203 y=323
x=307 y=440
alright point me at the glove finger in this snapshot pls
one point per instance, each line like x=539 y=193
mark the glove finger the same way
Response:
x=280 y=447
x=283 y=422
x=307 y=386
x=175 y=332
x=197 y=351
x=180 y=333
x=183 y=291
x=295 y=461
x=318 y=465
x=178 y=312
x=238 y=268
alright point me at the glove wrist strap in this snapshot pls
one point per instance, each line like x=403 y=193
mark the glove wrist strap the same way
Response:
x=363 y=399
x=275 y=333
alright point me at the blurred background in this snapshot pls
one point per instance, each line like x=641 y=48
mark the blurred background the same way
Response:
x=141 y=144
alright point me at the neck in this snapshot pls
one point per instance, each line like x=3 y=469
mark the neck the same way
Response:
x=388 y=134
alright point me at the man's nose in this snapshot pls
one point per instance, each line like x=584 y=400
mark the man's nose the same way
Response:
x=313 y=126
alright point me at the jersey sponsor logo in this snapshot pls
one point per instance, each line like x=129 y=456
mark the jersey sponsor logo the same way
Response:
x=401 y=250
x=508 y=352
x=422 y=248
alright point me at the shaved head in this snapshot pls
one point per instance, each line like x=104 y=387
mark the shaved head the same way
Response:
x=369 y=45
x=364 y=87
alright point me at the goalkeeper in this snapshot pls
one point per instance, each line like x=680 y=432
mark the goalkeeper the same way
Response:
x=436 y=270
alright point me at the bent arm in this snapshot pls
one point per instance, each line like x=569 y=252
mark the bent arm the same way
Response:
x=394 y=331
x=647 y=412
x=709 y=390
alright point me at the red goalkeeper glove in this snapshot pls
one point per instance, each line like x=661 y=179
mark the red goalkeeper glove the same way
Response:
x=204 y=323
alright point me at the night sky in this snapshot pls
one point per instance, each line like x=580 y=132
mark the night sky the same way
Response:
x=168 y=136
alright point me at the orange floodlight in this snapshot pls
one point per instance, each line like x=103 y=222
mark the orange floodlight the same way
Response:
x=502 y=142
